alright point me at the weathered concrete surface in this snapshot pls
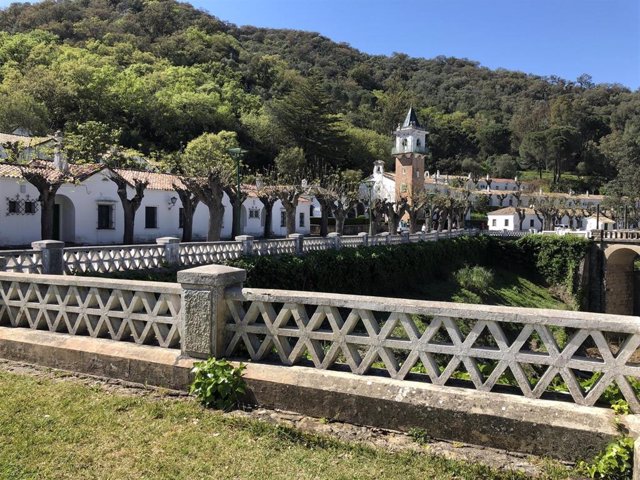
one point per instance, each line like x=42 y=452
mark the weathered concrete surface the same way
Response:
x=204 y=310
x=95 y=356
x=557 y=429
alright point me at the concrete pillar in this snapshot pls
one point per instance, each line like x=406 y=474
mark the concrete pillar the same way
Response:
x=335 y=238
x=384 y=238
x=204 y=310
x=171 y=250
x=405 y=237
x=299 y=241
x=364 y=238
x=51 y=254
x=247 y=244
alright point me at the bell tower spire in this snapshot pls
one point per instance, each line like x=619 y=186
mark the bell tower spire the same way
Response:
x=409 y=151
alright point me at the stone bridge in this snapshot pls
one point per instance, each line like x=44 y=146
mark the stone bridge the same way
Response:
x=615 y=283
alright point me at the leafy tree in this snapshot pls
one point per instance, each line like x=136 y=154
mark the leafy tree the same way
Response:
x=209 y=171
x=290 y=182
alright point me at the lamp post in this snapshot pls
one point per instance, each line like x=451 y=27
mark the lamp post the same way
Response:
x=370 y=185
x=237 y=154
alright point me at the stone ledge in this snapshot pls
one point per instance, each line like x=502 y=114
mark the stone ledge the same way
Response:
x=557 y=429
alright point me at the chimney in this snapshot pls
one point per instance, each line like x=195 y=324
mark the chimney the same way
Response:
x=58 y=159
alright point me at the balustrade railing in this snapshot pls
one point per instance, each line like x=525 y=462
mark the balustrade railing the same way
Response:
x=142 y=312
x=541 y=354
x=21 y=261
x=536 y=353
x=112 y=259
x=169 y=252
x=200 y=253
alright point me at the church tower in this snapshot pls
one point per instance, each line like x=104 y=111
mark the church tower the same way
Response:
x=409 y=152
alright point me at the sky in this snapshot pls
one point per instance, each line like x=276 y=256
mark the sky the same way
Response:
x=545 y=37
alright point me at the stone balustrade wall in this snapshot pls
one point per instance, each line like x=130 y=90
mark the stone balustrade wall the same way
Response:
x=169 y=251
x=539 y=354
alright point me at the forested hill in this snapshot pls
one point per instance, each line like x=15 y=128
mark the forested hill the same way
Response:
x=154 y=74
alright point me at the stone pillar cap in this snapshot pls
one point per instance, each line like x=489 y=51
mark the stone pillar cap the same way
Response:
x=212 y=275
x=241 y=238
x=295 y=235
x=165 y=240
x=47 y=244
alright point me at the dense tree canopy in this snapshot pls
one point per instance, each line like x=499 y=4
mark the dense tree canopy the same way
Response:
x=158 y=74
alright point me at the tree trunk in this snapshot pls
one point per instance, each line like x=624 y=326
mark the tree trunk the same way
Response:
x=129 y=206
x=290 y=217
x=189 y=203
x=340 y=218
x=325 y=206
x=216 y=215
x=268 y=220
x=236 y=224
x=47 y=202
x=413 y=221
x=129 y=222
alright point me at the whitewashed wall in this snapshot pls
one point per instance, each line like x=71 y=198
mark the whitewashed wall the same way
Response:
x=78 y=206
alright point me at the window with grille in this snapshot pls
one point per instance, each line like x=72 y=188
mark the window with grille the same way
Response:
x=29 y=208
x=254 y=213
x=301 y=219
x=283 y=219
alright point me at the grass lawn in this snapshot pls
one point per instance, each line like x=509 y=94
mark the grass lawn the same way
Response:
x=508 y=288
x=66 y=429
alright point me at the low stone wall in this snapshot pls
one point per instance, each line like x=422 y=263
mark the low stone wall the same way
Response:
x=555 y=429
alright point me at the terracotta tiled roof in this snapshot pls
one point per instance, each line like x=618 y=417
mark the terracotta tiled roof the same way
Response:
x=157 y=181
x=79 y=172
x=9 y=171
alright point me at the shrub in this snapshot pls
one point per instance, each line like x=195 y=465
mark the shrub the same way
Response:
x=476 y=279
x=380 y=270
x=217 y=383
x=614 y=463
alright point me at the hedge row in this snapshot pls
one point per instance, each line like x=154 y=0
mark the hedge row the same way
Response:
x=381 y=270
x=397 y=269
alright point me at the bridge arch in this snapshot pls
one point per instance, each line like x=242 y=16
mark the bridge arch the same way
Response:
x=620 y=282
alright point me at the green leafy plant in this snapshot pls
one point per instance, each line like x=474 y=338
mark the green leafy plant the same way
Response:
x=217 y=383
x=476 y=279
x=614 y=463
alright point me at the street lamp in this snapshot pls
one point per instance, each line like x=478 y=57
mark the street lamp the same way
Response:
x=237 y=153
x=370 y=184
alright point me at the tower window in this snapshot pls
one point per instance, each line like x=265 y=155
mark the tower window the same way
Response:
x=418 y=142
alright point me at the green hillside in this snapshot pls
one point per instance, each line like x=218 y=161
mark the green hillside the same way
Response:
x=155 y=74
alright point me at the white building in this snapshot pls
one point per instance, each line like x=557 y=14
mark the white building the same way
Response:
x=509 y=220
x=601 y=223
x=89 y=212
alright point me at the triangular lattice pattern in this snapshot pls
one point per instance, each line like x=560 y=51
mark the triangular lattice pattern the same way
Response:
x=209 y=252
x=112 y=259
x=275 y=247
x=142 y=316
x=22 y=261
x=441 y=348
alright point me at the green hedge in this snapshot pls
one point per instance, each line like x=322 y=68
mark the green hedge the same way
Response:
x=380 y=270
x=398 y=269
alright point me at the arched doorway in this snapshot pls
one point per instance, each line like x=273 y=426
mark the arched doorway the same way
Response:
x=621 y=280
x=64 y=219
